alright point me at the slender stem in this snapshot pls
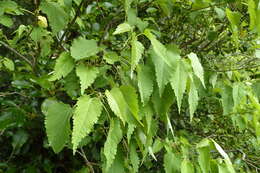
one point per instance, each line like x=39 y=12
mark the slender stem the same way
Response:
x=17 y=53
x=83 y=155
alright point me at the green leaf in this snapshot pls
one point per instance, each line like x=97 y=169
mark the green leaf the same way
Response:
x=111 y=57
x=193 y=98
x=113 y=139
x=162 y=72
x=178 y=82
x=197 y=68
x=204 y=159
x=58 y=18
x=87 y=75
x=19 y=139
x=171 y=162
x=82 y=48
x=187 y=167
x=225 y=156
x=57 y=123
x=131 y=99
x=64 y=65
x=252 y=13
x=128 y=5
x=6 y=21
x=238 y=94
x=9 y=64
x=145 y=83
x=159 y=49
x=117 y=103
x=134 y=157
x=227 y=99
x=86 y=115
x=137 y=51
x=122 y=28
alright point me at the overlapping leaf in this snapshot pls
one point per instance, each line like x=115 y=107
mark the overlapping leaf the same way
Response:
x=137 y=51
x=57 y=123
x=86 y=115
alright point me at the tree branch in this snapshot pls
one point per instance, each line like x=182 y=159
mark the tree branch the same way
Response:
x=17 y=53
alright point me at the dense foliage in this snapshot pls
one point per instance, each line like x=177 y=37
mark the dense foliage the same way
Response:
x=130 y=86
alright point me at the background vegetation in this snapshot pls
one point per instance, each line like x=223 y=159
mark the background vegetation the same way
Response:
x=129 y=86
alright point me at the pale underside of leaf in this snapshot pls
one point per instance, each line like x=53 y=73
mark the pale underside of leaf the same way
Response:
x=197 y=67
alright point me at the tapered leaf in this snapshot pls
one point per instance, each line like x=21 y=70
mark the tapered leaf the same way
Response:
x=193 y=98
x=134 y=157
x=82 y=48
x=113 y=139
x=117 y=103
x=252 y=13
x=171 y=162
x=159 y=49
x=145 y=83
x=162 y=71
x=122 y=28
x=227 y=99
x=137 y=51
x=64 y=65
x=57 y=123
x=131 y=99
x=187 y=167
x=178 y=82
x=57 y=17
x=238 y=94
x=87 y=75
x=197 y=68
x=86 y=115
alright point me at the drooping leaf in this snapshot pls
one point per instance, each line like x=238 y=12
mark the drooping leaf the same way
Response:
x=204 y=155
x=131 y=99
x=159 y=49
x=118 y=165
x=178 y=82
x=57 y=17
x=145 y=83
x=225 y=156
x=113 y=139
x=82 y=48
x=187 y=166
x=134 y=157
x=57 y=116
x=193 y=98
x=87 y=75
x=127 y=5
x=162 y=71
x=64 y=65
x=6 y=21
x=111 y=57
x=86 y=115
x=238 y=94
x=171 y=162
x=227 y=99
x=197 y=67
x=137 y=51
x=122 y=28
x=117 y=103
x=252 y=13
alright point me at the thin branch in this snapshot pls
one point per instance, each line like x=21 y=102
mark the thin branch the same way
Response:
x=89 y=164
x=17 y=53
x=78 y=11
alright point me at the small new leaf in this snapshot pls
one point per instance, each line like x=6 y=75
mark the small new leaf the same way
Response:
x=122 y=28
